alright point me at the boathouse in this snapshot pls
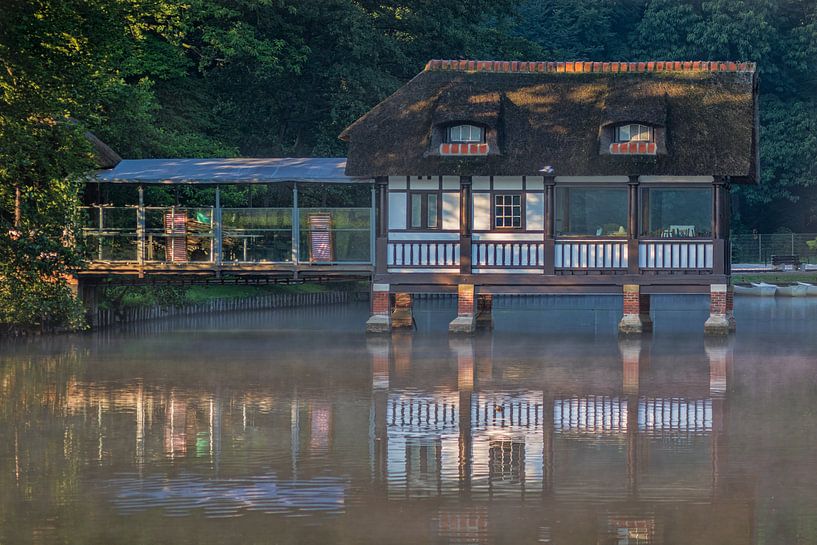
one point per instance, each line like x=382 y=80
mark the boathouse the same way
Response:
x=578 y=177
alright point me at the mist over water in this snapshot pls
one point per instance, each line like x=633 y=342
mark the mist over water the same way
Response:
x=291 y=426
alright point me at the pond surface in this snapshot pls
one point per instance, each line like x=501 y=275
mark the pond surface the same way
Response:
x=293 y=427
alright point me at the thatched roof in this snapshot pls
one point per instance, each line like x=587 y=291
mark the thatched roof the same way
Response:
x=554 y=113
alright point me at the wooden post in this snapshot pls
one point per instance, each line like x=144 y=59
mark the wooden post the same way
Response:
x=719 y=246
x=217 y=232
x=140 y=230
x=296 y=226
x=465 y=224
x=381 y=242
x=632 y=226
x=550 y=219
x=373 y=226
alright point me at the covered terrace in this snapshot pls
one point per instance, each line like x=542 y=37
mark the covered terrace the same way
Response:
x=280 y=216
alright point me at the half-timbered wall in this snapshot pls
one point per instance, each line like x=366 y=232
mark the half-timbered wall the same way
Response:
x=423 y=249
x=521 y=247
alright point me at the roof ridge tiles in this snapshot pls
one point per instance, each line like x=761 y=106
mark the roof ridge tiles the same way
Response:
x=462 y=65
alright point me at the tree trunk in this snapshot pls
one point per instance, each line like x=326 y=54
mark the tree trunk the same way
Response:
x=17 y=206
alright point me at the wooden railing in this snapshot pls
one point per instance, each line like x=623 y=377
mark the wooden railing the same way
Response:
x=417 y=253
x=675 y=255
x=508 y=254
x=591 y=254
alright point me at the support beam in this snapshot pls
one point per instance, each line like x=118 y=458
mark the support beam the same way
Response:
x=380 y=320
x=140 y=230
x=217 y=233
x=465 y=322
x=484 y=312
x=550 y=221
x=632 y=225
x=296 y=226
x=381 y=239
x=636 y=319
x=465 y=224
x=402 y=315
x=721 y=319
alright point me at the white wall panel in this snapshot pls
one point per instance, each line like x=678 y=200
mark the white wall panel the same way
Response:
x=451 y=211
x=508 y=183
x=535 y=211
x=398 y=182
x=482 y=211
x=424 y=183
x=480 y=183
x=451 y=182
x=397 y=210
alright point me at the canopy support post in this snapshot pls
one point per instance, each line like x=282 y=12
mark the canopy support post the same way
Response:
x=140 y=230
x=372 y=226
x=296 y=226
x=217 y=232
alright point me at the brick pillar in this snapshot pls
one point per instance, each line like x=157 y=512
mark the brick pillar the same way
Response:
x=484 y=317
x=402 y=316
x=721 y=319
x=465 y=322
x=636 y=318
x=380 y=321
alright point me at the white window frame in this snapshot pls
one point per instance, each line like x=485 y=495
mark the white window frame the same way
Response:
x=505 y=210
x=466 y=134
x=635 y=132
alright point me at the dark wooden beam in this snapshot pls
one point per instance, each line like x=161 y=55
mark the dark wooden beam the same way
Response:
x=465 y=224
x=550 y=220
x=632 y=225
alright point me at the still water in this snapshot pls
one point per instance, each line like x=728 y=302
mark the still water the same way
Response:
x=293 y=427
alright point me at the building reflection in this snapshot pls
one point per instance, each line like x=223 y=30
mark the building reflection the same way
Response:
x=641 y=457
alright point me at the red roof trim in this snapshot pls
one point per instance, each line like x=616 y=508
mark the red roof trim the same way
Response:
x=588 y=67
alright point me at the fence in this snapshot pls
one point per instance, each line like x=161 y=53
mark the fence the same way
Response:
x=759 y=248
x=107 y=317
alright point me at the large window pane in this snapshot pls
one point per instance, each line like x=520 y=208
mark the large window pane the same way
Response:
x=591 y=212
x=432 y=210
x=416 y=211
x=677 y=213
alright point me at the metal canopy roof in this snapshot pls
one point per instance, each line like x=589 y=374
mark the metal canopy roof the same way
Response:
x=230 y=171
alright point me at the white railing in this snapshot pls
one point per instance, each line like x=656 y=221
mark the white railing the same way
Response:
x=591 y=254
x=508 y=255
x=415 y=253
x=655 y=254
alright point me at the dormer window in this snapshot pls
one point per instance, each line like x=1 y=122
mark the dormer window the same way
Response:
x=463 y=139
x=632 y=139
x=634 y=133
x=465 y=134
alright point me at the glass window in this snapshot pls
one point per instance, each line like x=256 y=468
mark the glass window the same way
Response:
x=507 y=211
x=416 y=210
x=431 y=221
x=425 y=211
x=677 y=213
x=591 y=211
x=465 y=133
x=634 y=133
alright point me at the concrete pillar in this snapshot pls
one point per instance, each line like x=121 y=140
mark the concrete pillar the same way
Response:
x=636 y=319
x=465 y=322
x=380 y=321
x=721 y=319
x=484 y=315
x=402 y=316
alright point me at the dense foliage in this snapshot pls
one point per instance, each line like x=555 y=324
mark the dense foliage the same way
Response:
x=283 y=77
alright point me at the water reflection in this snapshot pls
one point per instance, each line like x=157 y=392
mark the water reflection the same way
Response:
x=201 y=435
